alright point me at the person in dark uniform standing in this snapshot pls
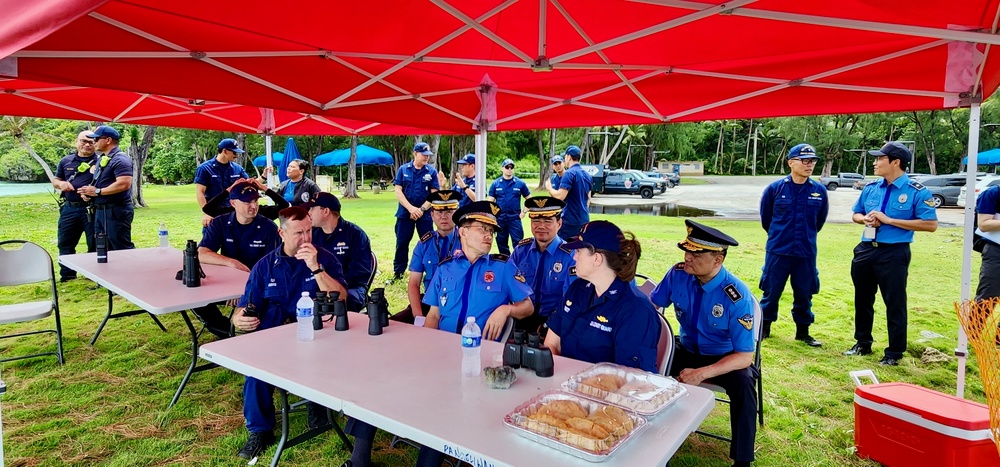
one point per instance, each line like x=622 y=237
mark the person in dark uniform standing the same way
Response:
x=219 y=205
x=465 y=180
x=218 y=173
x=348 y=242
x=574 y=189
x=715 y=310
x=891 y=209
x=557 y=170
x=72 y=173
x=507 y=191
x=545 y=261
x=237 y=240
x=430 y=251
x=414 y=181
x=604 y=318
x=276 y=283
x=111 y=192
x=989 y=230
x=792 y=212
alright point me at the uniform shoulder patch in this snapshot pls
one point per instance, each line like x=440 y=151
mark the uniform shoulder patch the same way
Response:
x=567 y=250
x=446 y=260
x=746 y=320
x=873 y=181
x=427 y=236
x=500 y=257
x=526 y=241
x=679 y=266
x=733 y=293
x=916 y=185
x=572 y=270
x=520 y=277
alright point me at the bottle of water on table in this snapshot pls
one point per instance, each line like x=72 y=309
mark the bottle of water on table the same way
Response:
x=164 y=238
x=471 y=339
x=304 y=317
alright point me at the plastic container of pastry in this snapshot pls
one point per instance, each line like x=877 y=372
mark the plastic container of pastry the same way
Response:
x=619 y=424
x=629 y=388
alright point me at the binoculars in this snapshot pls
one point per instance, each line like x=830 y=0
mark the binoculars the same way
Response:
x=378 y=311
x=102 y=247
x=532 y=355
x=191 y=273
x=328 y=303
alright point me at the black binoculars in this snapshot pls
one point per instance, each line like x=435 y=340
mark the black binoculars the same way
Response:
x=328 y=303
x=378 y=311
x=191 y=273
x=532 y=355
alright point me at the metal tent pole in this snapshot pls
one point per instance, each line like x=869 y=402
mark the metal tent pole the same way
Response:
x=970 y=211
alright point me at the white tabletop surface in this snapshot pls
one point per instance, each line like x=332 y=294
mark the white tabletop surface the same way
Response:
x=146 y=277
x=408 y=381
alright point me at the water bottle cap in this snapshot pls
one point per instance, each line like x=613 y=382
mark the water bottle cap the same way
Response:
x=305 y=294
x=471 y=319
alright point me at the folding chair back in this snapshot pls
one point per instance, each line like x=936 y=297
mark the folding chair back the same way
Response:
x=665 y=347
x=29 y=263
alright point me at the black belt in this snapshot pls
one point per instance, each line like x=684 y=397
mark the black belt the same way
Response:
x=111 y=205
x=77 y=204
x=883 y=244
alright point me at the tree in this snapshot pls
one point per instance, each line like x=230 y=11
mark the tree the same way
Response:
x=16 y=128
x=139 y=150
x=351 y=190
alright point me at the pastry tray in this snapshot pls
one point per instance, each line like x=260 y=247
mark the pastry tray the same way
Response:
x=645 y=393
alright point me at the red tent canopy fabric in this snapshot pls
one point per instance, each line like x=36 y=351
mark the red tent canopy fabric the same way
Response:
x=508 y=64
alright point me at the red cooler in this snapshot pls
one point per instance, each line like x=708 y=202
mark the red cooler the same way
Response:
x=907 y=425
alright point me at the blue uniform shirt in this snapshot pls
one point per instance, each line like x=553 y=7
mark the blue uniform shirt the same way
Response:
x=556 y=180
x=353 y=250
x=216 y=176
x=620 y=326
x=277 y=281
x=289 y=193
x=557 y=272
x=244 y=243
x=987 y=201
x=431 y=250
x=508 y=194
x=579 y=183
x=460 y=289
x=416 y=185
x=792 y=215
x=469 y=182
x=119 y=164
x=715 y=319
x=68 y=170
x=901 y=199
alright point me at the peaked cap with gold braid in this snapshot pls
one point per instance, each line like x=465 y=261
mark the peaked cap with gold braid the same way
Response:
x=704 y=238
x=482 y=211
x=544 y=206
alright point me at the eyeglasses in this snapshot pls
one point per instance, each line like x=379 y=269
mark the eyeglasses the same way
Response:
x=511 y=167
x=483 y=229
x=810 y=161
x=85 y=141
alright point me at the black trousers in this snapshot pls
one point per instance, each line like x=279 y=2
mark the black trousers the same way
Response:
x=740 y=386
x=365 y=432
x=73 y=223
x=881 y=268
x=989 y=273
x=404 y=234
x=116 y=223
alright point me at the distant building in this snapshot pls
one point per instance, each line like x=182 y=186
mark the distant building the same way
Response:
x=695 y=168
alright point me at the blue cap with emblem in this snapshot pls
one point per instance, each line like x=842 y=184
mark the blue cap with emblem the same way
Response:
x=544 y=206
x=467 y=159
x=556 y=158
x=230 y=145
x=423 y=148
x=704 y=238
x=573 y=151
x=105 y=131
x=802 y=151
x=895 y=150
x=324 y=200
x=244 y=191
x=442 y=200
x=482 y=211
x=507 y=162
x=600 y=235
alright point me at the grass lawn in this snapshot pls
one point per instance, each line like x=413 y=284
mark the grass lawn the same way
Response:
x=107 y=405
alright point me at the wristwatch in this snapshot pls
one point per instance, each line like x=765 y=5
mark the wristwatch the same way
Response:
x=97 y=191
x=317 y=271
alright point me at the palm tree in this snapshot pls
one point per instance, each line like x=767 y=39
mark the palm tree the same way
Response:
x=17 y=127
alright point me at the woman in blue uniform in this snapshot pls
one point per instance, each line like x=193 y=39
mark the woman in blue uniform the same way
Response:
x=604 y=318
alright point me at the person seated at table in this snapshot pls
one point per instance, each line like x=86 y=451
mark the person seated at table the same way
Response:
x=348 y=242
x=495 y=290
x=236 y=240
x=276 y=283
x=219 y=205
x=545 y=261
x=604 y=318
x=430 y=251
x=298 y=188
x=715 y=310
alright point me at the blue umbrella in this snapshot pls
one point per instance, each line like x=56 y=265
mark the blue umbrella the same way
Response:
x=291 y=153
x=261 y=161
x=991 y=157
x=367 y=155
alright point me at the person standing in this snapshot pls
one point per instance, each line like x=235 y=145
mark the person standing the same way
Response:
x=414 y=181
x=545 y=261
x=574 y=189
x=792 y=212
x=507 y=191
x=465 y=180
x=989 y=231
x=348 y=242
x=298 y=188
x=891 y=209
x=557 y=170
x=72 y=173
x=111 y=192
x=431 y=250
x=217 y=174
x=716 y=314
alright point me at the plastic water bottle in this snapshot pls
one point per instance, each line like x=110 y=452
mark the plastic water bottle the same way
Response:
x=304 y=316
x=164 y=238
x=471 y=339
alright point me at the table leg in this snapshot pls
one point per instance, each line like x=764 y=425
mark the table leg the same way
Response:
x=194 y=367
x=110 y=315
x=284 y=442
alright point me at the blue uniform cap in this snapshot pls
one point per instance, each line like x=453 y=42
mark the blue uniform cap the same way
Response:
x=555 y=158
x=600 y=235
x=802 y=151
x=506 y=162
x=423 y=148
x=895 y=150
x=230 y=145
x=467 y=159
x=244 y=191
x=105 y=131
x=573 y=151
x=443 y=199
x=324 y=200
x=704 y=238
x=482 y=211
x=544 y=206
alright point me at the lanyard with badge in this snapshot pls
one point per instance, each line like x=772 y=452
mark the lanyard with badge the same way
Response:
x=871 y=232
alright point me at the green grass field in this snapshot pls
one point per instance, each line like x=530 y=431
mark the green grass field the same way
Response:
x=107 y=405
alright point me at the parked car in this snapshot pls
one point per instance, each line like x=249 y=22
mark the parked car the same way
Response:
x=944 y=188
x=661 y=184
x=981 y=185
x=845 y=179
x=671 y=178
x=617 y=181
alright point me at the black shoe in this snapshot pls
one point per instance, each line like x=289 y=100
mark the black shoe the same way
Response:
x=802 y=334
x=886 y=361
x=256 y=444
x=317 y=416
x=397 y=277
x=766 y=331
x=859 y=349
x=67 y=278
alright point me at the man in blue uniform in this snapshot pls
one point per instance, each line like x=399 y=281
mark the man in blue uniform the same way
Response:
x=507 y=191
x=465 y=179
x=792 y=212
x=414 y=181
x=432 y=249
x=111 y=192
x=716 y=341
x=574 y=189
x=276 y=282
x=557 y=169
x=237 y=240
x=545 y=261
x=891 y=209
x=215 y=175
x=72 y=173
x=989 y=240
x=347 y=242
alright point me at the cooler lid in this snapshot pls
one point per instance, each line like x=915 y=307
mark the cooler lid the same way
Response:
x=929 y=404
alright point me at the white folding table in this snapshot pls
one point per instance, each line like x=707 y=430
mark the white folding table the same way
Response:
x=146 y=277
x=408 y=381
